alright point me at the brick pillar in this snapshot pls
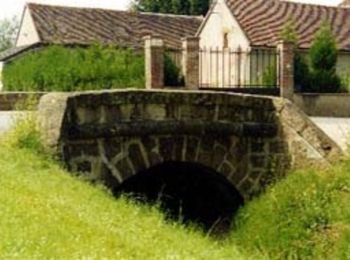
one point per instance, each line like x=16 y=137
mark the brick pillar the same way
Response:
x=190 y=62
x=286 y=50
x=154 y=62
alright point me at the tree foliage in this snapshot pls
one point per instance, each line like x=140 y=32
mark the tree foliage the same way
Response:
x=189 y=7
x=8 y=32
x=289 y=33
x=323 y=61
x=320 y=74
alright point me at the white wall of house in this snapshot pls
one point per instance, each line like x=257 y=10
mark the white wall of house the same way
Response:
x=218 y=67
x=220 y=22
x=27 y=34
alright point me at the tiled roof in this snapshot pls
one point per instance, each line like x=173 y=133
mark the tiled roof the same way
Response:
x=71 y=25
x=263 y=20
x=345 y=3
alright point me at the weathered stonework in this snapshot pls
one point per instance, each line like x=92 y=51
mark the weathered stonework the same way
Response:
x=286 y=50
x=251 y=140
x=190 y=62
x=154 y=62
x=10 y=101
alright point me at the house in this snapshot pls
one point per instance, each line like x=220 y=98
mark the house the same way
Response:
x=254 y=26
x=345 y=3
x=42 y=25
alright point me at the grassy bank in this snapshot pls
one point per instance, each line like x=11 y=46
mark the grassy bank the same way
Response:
x=47 y=213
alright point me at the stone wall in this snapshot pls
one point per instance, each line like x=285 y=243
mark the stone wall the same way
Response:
x=19 y=100
x=251 y=140
x=324 y=105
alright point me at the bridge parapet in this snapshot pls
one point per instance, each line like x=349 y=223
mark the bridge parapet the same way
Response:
x=251 y=140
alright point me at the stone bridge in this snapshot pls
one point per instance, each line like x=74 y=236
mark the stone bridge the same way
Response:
x=250 y=140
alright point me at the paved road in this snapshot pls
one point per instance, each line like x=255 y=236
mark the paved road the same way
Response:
x=336 y=128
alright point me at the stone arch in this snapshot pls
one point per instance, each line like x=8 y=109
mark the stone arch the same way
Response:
x=186 y=191
x=124 y=157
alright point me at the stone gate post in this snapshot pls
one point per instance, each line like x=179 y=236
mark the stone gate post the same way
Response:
x=154 y=62
x=190 y=62
x=286 y=51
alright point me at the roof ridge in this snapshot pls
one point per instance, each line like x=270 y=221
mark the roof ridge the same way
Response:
x=114 y=10
x=173 y=15
x=76 y=7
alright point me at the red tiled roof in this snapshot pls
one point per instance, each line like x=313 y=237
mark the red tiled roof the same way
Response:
x=263 y=20
x=71 y=25
x=345 y=3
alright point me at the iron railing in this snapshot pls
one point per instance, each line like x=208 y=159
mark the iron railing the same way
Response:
x=236 y=68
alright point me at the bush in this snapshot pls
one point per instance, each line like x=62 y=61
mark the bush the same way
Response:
x=269 y=77
x=323 y=61
x=58 y=68
x=345 y=82
x=301 y=72
x=172 y=73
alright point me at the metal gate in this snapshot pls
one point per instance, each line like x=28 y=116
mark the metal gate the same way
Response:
x=236 y=68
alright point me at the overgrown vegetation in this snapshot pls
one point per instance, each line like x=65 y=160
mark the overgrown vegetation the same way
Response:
x=315 y=72
x=172 y=73
x=46 y=213
x=57 y=68
x=306 y=216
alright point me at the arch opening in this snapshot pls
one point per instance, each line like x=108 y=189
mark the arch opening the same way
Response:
x=186 y=192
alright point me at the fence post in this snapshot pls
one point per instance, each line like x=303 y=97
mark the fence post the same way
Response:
x=190 y=62
x=154 y=62
x=286 y=80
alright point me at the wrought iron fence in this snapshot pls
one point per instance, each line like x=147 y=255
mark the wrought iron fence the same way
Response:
x=228 y=68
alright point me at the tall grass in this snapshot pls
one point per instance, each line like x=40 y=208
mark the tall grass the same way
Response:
x=47 y=213
x=306 y=216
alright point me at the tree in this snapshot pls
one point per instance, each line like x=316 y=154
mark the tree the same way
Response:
x=8 y=32
x=189 y=7
x=323 y=61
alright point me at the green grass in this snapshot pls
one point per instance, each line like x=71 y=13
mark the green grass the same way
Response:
x=306 y=216
x=47 y=213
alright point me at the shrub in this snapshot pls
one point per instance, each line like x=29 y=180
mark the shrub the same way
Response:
x=302 y=75
x=25 y=134
x=345 y=83
x=323 y=60
x=269 y=77
x=58 y=68
x=172 y=73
